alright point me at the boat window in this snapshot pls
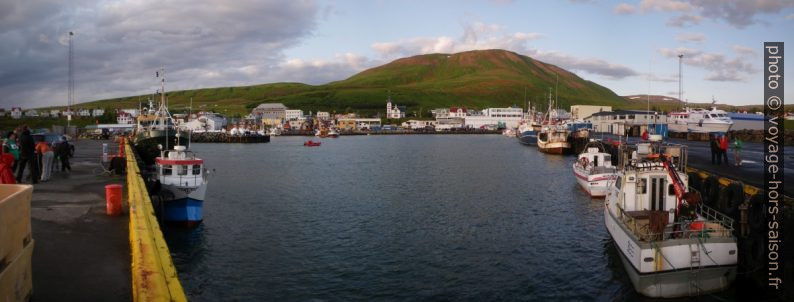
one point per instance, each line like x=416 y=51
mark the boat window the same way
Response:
x=196 y=169
x=182 y=170
x=607 y=158
x=670 y=190
x=631 y=117
x=619 y=182
x=642 y=186
x=167 y=170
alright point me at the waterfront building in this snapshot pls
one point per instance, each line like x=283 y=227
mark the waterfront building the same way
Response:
x=419 y=124
x=449 y=123
x=440 y=112
x=293 y=114
x=323 y=115
x=2 y=112
x=44 y=113
x=16 y=113
x=394 y=111
x=132 y=112
x=633 y=122
x=358 y=123
x=31 y=113
x=83 y=112
x=495 y=118
x=206 y=121
x=124 y=118
x=271 y=114
x=461 y=112
x=579 y=112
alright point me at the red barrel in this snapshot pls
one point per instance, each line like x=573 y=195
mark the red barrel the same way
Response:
x=113 y=199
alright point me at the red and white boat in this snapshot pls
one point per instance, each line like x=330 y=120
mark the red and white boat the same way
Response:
x=594 y=170
x=311 y=143
x=183 y=174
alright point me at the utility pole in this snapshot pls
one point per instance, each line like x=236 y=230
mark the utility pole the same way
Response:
x=70 y=84
x=680 y=80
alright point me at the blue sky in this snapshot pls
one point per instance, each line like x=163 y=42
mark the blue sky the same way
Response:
x=623 y=45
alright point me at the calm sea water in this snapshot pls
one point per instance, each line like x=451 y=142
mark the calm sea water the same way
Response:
x=441 y=217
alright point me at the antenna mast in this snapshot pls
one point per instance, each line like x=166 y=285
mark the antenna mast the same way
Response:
x=70 y=84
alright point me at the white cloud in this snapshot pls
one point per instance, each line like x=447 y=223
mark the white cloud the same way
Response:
x=721 y=68
x=684 y=20
x=790 y=17
x=624 y=9
x=589 y=65
x=665 y=6
x=744 y=50
x=690 y=37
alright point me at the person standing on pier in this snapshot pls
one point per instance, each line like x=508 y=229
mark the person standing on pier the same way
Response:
x=43 y=149
x=10 y=146
x=27 y=156
x=64 y=151
x=724 y=148
x=715 y=150
x=737 y=152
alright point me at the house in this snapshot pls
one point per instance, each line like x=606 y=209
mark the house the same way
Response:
x=44 y=113
x=97 y=112
x=293 y=114
x=323 y=115
x=31 y=113
x=394 y=111
x=206 y=121
x=579 y=112
x=271 y=114
x=353 y=123
x=124 y=118
x=448 y=123
x=132 y=112
x=83 y=112
x=55 y=113
x=419 y=124
x=632 y=122
x=458 y=112
x=16 y=113
x=495 y=118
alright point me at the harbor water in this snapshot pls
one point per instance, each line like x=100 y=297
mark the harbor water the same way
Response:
x=430 y=217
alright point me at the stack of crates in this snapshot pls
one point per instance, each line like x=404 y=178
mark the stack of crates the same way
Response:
x=16 y=243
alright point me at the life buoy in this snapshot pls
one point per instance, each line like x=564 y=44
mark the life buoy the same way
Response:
x=583 y=161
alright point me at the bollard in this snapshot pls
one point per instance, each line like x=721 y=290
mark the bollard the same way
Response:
x=113 y=199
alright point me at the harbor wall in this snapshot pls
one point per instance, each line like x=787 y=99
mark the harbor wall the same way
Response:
x=154 y=277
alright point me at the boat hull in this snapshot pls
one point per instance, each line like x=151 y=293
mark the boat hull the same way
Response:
x=554 y=147
x=186 y=211
x=705 y=127
x=596 y=185
x=529 y=138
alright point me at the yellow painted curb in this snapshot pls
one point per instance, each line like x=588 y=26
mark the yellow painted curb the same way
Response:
x=153 y=274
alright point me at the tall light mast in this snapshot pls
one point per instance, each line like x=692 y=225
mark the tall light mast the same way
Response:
x=681 y=82
x=70 y=84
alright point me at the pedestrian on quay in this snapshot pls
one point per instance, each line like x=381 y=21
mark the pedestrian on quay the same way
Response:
x=10 y=146
x=64 y=151
x=27 y=156
x=715 y=150
x=645 y=135
x=737 y=151
x=44 y=150
x=724 y=148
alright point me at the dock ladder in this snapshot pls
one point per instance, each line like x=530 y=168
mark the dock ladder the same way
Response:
x=694 y=268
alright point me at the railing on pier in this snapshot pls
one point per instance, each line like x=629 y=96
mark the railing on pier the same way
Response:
x=154 y=277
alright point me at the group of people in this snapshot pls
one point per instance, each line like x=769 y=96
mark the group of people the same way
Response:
x=719 y=150
x=21 y=150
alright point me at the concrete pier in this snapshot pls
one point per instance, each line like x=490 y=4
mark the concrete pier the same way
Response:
x=81 y=254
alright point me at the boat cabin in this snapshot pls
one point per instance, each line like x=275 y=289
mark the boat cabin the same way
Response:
x=180 y=167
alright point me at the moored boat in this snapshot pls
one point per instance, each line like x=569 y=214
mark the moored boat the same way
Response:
x=670 y=243
x=311 y=143
x=182 y=174
x=594 y=170
x=699 y=121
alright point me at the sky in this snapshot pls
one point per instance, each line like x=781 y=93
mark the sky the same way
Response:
x=631 y=47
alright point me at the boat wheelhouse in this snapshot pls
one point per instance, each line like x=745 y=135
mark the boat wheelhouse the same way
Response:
x=182 y=174
x=593 y=169
x=670 y=243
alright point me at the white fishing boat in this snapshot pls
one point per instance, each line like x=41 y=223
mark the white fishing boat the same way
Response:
x=699 y=121
x=594 y=170
x=671 y=245
x=553 y=139
x=274 y=131
x=182 y=174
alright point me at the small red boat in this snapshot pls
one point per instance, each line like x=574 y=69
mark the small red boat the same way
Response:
x=311 y=143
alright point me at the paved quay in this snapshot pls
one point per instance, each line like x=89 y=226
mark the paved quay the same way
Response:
x=81 y=254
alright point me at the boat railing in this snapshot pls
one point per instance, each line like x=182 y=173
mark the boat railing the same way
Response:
x=602 y=170
x=646 y=228
x=186 y=180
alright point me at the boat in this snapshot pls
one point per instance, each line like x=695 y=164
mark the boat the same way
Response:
x=670 y=243
x=311 y=143
x=528 y=133
x=593 y=169
x=332 y=133
x=509 y=132
x=273 y=131
x=155 y=127
x=553 y=135
x=322 y=132
x=699 y=120
x=182 y=174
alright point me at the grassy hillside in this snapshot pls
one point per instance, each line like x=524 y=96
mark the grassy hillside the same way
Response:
x=476 y=79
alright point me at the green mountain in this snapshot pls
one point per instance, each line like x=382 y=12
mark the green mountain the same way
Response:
x=478 y=79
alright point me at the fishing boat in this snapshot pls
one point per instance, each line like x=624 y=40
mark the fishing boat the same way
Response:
x=528 y=133
x=594 y=170
x=699 y=121
x=155 y=127
x=671 y=244
x=553 y=135
x=182 y=174
x=332 y=133
x=311 y=143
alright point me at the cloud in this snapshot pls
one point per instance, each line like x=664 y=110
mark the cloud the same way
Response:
x=690 y=37
x=721 y=68
x=740 y=13
x=118 y=45
x=476 y=35
x=790 y=17
x=323 y=71
x=744 y=50
x=624 y=9
x=684 y=20
x=663 y=78
x=665 y=6
x=589 y=65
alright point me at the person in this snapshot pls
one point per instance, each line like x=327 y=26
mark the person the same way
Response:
x=27 y=156
x=6 y=173
x=44 y=150
x=737 y=151
x=10 y=146
x=715 y=147
x=724 y=148
x=645 y=135
x=64 y=151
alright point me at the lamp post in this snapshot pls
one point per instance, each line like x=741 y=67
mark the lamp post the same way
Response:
x=70 y=84
x=680 y=80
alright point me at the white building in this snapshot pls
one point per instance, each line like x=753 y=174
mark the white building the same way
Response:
x=580 y=112
x=55 y=113
x=323 y=115
x=97 y=112
x=461 y=112
x=448 y=123
x=132 y=112
x=206 y=121
x=419 y=124
x=621 y=122
x=124 y=118
x=2 y=112
x=495 y=117
x=293 y=114
x=16 y=113
x=394 y=111
x=84 y=112
x=44 y=113
x=440 y=112
x=31 y=113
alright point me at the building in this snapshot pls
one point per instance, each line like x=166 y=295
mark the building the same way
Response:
x=2 y=112
x=16 y=113
x=440 y=112
x=419 y=124
x=271 y=114
x=631 y=122
x=580 y=112
x=55 y=113
x=97 y=112
x=448 y=123
x=132 y=112
x=394 y=111
x=205 y=121
x=358 y=123
x=44 y=113
x=461 y=112
x=495 y=118
x=83 y=112
x=31 y=113
x=124 y=118
x=323 y=115
x=293 y=114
